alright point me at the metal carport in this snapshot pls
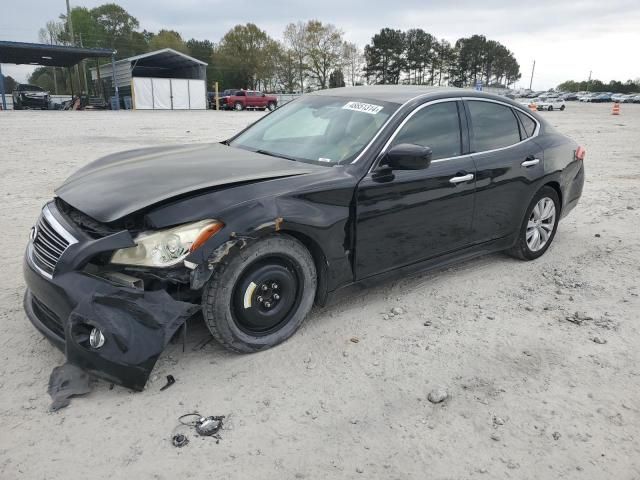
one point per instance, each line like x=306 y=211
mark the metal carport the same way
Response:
x=46 y=55
x=161 y=80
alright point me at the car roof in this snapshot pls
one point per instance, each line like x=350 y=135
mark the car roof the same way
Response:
x=403 y=93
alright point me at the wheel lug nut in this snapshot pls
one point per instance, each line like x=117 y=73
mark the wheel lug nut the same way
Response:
x=276 y=296
x=267 y=304
x=274 y=286
x=259 y=299
x=264 y=288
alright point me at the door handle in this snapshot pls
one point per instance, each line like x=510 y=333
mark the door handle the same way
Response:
x=462 y=178
x=531 y=162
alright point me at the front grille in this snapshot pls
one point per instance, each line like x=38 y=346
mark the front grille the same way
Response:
x=49 y=243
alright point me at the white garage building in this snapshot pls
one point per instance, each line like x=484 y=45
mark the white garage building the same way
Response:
x=161 y=80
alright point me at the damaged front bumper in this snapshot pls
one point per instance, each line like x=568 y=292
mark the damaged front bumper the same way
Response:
x=136 y=324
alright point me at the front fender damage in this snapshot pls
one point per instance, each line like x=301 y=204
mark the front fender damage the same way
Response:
x=202 y=273
x=136 y=324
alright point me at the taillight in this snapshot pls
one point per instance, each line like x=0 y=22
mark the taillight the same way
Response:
x=580 y=152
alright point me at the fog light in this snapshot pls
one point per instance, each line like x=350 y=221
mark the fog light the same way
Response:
x=96 y=338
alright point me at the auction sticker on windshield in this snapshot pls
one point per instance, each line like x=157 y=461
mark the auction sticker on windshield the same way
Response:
x=363 y=107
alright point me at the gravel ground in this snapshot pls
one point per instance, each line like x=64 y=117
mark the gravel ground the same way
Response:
x=530 y=394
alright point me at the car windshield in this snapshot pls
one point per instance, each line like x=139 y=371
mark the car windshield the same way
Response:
x=317 y=129
x=30 y=88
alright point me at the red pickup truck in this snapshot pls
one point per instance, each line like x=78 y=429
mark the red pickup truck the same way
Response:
x=247 y=99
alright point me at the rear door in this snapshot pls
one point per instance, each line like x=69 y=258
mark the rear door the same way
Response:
x=508 y=162
x=418 y=214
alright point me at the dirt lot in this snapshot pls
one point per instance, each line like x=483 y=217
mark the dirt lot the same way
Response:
x=531 y=395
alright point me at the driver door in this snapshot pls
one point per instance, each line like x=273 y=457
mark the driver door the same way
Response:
x=414 y=215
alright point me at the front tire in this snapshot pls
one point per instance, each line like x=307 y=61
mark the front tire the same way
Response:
x=539 y=226
x=261 y=296
x=271 y=106
x=238 y=106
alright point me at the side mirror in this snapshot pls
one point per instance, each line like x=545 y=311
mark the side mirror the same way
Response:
x=408 y=156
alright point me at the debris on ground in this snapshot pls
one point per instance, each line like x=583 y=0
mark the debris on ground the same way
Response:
x=354 y=339
x=599 y=340
x=179 y=440
x=498 y=421
x=438 y=395
x=556 y=435
x=170 y=381
x=578 y=318
x=397 y=310
x=495 y=437
x=204 y=427
x=67 y=381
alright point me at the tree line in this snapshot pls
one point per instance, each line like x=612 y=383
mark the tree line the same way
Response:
x=310 y=55
x=418 y=57
x=614 y=86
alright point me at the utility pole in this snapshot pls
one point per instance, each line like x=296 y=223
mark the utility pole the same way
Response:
x=84 y=70
x=55 y=81
x=533 y=69
x=589 y=81
x=73 y=42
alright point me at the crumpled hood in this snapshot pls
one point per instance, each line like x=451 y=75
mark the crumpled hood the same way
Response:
x=123 y=183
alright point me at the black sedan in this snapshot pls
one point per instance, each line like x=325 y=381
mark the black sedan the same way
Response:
x=336 y=188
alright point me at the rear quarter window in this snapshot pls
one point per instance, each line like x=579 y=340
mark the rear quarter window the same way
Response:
x=528 y=124
x=492 y=126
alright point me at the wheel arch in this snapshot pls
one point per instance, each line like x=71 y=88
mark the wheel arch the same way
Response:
x=319 y=259
x=556 y=186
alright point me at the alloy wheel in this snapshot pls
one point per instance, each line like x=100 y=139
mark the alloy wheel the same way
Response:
x=540 y=224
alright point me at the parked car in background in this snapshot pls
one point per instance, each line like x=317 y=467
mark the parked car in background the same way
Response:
x=211 y=96
x=249 y=99
x=588 y=97
x=338 y=187
x=567 y=97
x=549 y=104
x=628 y=98
x=636 y=99
x=601 y=97
x=30 y=96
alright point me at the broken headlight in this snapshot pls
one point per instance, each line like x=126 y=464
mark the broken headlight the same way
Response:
x=166 y=248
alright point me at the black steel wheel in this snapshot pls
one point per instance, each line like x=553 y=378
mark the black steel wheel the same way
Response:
x=261 y=296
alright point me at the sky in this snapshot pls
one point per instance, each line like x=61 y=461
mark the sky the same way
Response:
x=566 y=38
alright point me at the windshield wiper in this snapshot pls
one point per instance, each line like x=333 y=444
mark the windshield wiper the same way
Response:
x=279 y=155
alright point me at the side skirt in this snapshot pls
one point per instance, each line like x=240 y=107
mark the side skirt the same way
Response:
x=463 y=255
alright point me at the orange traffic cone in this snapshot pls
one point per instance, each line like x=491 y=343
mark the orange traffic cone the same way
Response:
x=533 y=107
x=616 y=109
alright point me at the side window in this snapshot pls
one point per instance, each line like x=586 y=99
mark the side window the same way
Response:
x=240 y=94
x=437 y=127
x=492 y=126
x=251 y=94
x=528 y=123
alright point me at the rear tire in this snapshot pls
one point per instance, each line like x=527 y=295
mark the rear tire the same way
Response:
x=551 y=108
x=261 y=296
x=562 y=108
x=272 y=106
x=538 y=224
